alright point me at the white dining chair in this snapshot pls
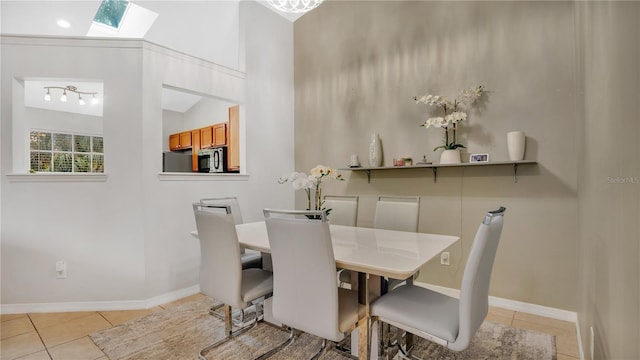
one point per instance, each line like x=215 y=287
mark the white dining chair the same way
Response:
x=343 y=209
x=442 y=319
x=221 y=273
x=232 y=201
x=305 y=294
x=250 y=259
x=399 y=213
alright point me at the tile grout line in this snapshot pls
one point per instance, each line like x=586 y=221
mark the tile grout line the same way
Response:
x=72 y=340
x=107 y=320
x=39 y=337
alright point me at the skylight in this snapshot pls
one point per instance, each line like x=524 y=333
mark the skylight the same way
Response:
x=111 y=12
x=121 y=19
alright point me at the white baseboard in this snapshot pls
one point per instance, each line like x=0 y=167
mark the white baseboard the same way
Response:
x=514 y=305
x=181 y=293
x=172 y=296
x=99 y=305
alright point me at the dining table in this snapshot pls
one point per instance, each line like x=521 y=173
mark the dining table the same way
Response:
x=372 y=254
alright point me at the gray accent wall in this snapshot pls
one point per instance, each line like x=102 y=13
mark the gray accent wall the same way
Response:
x=609 y=178
x=359 y=64
x=566 y=73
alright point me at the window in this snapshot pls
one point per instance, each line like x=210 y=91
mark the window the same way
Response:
x=62 y=152
x=111 y=12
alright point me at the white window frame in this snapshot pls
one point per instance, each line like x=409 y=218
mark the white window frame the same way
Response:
x=72 y=152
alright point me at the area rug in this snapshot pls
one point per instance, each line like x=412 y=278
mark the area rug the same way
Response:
x=180 y=332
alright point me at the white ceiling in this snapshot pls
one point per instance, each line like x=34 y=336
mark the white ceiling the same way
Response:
x=178 y=101
x=41 y=17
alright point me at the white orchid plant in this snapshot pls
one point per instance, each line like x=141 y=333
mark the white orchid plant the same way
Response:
x=453 y=113
x=312 y=182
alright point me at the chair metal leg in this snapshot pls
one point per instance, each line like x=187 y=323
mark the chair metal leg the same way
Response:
x=228 y=330
x=405 y=352
x=323 y=347
x=343 y=348
x=381 y=341
x=292 y=336
x=213 y=309
x=408 y=341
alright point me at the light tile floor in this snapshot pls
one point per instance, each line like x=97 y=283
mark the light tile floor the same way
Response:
x=65 y=336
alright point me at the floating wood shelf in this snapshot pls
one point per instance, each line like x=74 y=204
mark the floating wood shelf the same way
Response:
x=434 y=167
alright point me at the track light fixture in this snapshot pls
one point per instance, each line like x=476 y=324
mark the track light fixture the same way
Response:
x=63 y=98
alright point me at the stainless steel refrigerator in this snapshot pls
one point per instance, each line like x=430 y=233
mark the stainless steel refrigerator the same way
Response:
x=176 y=161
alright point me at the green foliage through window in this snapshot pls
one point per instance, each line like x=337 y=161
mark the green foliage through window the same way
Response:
x=111 y=12
x=59 y=152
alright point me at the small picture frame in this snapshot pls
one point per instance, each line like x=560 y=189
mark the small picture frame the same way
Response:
x=476 y=158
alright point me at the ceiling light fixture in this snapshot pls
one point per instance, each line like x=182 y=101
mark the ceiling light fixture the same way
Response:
x=295 y=6
x=63 y=98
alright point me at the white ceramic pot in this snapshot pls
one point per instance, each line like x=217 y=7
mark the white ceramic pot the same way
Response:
x=375 y=151
x=516 y=145
x=450 y=157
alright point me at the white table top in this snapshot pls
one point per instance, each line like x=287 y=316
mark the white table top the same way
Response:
x=394 y=254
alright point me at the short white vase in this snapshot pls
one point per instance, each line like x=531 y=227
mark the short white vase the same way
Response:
x=375 y=151
x=516 y=145
x=450 y=157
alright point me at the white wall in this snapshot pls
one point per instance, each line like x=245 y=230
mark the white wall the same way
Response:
x=205 y=29
x=171 y=253
x=128 y=238
x=62 y=121
x=93 y=226
x=207 y=111
x=172 y=122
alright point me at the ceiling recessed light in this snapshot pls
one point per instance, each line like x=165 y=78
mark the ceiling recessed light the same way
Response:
x=64 y=24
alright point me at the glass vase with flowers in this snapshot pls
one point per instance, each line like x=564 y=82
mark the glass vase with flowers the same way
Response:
x=312 y=184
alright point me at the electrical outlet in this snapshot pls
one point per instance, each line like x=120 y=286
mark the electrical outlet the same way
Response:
x=444 y=258
x=61 y=269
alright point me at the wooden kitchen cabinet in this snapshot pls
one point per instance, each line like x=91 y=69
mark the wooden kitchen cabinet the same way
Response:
x=233 y=139
x=215 y=135
x=206 y=137
x=195 y=140
x=174 y=142
x=219 y=134
x=185 y=139
x=180 y=141
x=212 y=136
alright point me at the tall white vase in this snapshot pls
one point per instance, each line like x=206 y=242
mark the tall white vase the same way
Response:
x=516 y=145
x=375 y=151
x=450 y=156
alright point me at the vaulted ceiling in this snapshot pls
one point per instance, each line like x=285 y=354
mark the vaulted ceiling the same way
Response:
x=41 y=18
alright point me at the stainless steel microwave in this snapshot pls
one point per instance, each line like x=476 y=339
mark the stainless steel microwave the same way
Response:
x=212 y=160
